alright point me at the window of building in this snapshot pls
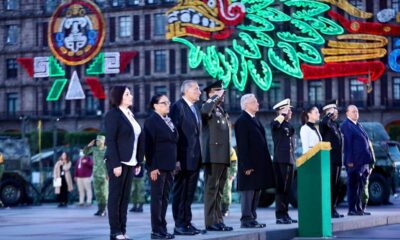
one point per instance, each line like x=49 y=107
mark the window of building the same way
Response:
x=101 y=3
x=125 y=26
x=136 y=28
x=149 y=2
x=44 y=34
x=147 y=27
x=51 y=5
x=116 y=3
x=184 y=60
x=12 y=34
x=56 y=108
x=136 y=65
x=12 y=68
x=90 y=103
x=11 y=4
x=111 y=29
x=160 y=90
x=172 y=61
x=357 y=92
x=147 y=62
x=358 y=4
x=159 y=24
x=396 y=88
x=159 y=61
x=274 y=93
x=395 y=5
x=315 y=92
x=133 y=2
x=12 y=103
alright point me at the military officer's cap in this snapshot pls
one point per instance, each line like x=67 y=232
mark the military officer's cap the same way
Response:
x=330 y=104
x=218 y=85
x=282 y=104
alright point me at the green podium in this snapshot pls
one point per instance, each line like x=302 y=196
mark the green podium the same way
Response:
x=314 y=192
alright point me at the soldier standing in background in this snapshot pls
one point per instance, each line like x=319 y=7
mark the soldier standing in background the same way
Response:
x=227 y=196
x=137 y=191
x=100 y=179
x=283 y=137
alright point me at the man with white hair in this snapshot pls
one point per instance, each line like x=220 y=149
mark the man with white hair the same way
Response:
x=255 y=171
x=187 y=119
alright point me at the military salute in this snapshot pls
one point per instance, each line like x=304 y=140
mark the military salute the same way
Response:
x=216 y=159
x=330 y=132
x=283 y=137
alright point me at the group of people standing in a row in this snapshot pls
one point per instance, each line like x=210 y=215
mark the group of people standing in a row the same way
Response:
x=176 y=141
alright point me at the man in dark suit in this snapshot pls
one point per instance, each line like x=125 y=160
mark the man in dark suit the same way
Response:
x=255 y=171
x=283 y=137
x=330 y=132
x=186 y=117
x=216 y=155
x=357 y=159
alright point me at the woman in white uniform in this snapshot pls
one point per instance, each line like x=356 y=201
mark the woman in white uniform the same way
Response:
x=309 y=133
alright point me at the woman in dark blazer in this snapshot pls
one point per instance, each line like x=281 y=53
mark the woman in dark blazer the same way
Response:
x=123 y=157
x=161 y=152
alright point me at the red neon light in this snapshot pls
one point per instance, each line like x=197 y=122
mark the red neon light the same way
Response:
x=96 y=87
x=27 y=64
x=124 y=59
x=330 y=70
x=366 y=27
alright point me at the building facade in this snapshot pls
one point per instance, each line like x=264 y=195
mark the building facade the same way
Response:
x=160 y=67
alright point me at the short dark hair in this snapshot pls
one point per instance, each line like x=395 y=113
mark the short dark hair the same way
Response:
x=116 y=95
x=155 y=99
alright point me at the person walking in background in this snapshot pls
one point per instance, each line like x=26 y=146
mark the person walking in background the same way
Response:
x=330 y=132
x=283 y=137
x=309 y=133
x=216 y=158
x=100 y=179
x=82 y=177
x=358 y=159
x=138 y=191
x=227 y=195
x=62 y=174
x=186 y=117
x=124 y=153
x=161 y=153
x=255 y=171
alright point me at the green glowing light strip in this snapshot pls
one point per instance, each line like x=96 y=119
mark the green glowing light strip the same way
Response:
x=56 y=89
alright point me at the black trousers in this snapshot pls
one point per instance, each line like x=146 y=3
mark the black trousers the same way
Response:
x=335 y=186
x=159 y=201
x=185 y=183
x=63 y=196
x=356 y=181
x=249 y=202
x=215 y=177
x=283 y=177
x=119 y=189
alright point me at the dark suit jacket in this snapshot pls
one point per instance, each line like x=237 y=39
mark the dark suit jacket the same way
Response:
x=189 y=150
x=356 y=146
x=161 y=144
x=120 y=138
x=283 y=137
x=253 y=153
x=330 y=132
x=216 y=133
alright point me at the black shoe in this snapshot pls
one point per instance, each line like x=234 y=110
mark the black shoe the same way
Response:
x=337 y=215
x=183 y=231
x=283 y=221
x=355 y=213
x=366 y=213
x=169 y=236
x=291 y=220
x=226 y=228
x=133 y=209
x=101 y=213
x=251 y=225
x=261 y=225
x=139 y=208
x=158 y=235
x=196 y=230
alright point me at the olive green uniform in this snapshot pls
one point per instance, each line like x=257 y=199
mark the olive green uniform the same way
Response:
x=365 y=193
x=227 y=195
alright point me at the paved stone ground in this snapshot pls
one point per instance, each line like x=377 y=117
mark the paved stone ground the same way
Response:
x=76 y=223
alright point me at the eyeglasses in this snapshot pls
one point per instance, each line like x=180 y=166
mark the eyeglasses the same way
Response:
x=166 y=103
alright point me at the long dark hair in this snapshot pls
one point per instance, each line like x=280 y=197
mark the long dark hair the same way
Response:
x=116 y=95
x=155 y=99
x=305 y=112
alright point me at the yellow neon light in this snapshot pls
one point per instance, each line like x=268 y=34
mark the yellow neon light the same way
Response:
x=349 y=8
x=357 y=54
x=379 y=41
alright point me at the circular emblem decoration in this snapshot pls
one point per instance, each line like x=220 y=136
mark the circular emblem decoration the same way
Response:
x=76 y=32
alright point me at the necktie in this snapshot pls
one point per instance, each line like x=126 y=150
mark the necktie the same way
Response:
x=169 y=123
x=194 y=112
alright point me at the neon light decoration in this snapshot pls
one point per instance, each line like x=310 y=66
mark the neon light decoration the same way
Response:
x=56 y=89
x=76 y=32
x=75 y=90
x=96 y=87
x=27 y=64
x=394 y=57
x=269 y=39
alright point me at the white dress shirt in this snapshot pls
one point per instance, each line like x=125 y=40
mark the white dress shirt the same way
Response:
x=137 y=130
x=309 y=137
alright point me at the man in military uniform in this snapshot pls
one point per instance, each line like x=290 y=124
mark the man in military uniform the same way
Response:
x=283 y=137
x=330 y=132
x=215 y=152
x=100 y=179
x=137 y=191
x=227 y=197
